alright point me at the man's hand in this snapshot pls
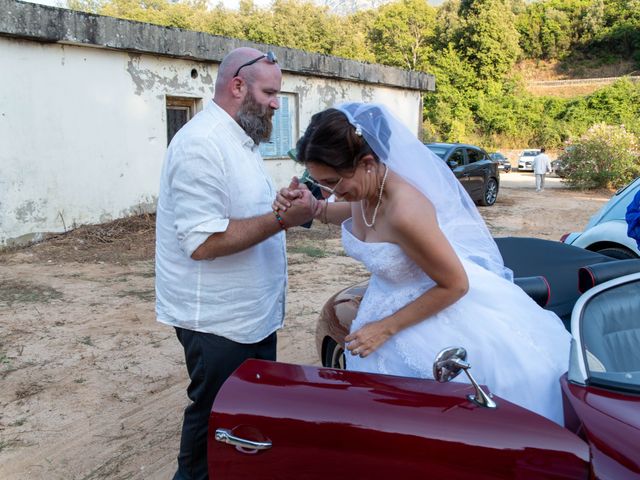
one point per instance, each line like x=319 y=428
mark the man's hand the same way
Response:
x=286 y=196
x=295 y=204
x=302 y=209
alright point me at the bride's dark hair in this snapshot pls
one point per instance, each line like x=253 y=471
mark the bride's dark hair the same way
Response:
x=331 y=140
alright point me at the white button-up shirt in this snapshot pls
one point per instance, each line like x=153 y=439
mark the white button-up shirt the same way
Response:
x=213 y=172
x=541 y=164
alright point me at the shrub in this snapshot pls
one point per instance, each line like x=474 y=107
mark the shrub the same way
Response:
x=606 y=156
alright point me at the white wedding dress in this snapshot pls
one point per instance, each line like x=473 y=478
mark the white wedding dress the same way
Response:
x=516 y=348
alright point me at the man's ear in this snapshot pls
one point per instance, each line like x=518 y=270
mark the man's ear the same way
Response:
x=238 y=88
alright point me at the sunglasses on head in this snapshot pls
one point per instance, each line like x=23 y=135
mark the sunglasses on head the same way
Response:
x=269 y=56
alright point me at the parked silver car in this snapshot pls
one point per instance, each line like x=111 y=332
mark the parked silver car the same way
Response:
x=606 y=232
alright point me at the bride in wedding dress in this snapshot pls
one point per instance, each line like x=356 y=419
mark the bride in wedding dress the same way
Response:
x=437 y=277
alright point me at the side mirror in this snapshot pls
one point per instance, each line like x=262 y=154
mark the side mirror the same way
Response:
x=448 y=365
x=452 y=164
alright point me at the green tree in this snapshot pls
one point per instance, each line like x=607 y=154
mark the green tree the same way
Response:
x=353 y=36
x=402 y=34
x=489 y=39
x=550 y=29
x=448 y=24
x=447 y=112
x=618 y=103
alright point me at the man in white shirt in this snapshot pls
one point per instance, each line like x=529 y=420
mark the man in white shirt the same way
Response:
x=221 y=268
x=541 y=166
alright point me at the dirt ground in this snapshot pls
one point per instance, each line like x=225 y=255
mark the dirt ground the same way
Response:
x=93 y=387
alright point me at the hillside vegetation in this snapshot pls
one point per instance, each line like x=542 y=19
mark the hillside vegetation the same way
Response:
x=481 y=51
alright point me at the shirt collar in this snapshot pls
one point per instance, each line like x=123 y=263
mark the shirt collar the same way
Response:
x=236 y=130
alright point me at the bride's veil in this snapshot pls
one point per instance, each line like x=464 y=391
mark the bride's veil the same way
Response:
x=402 y=152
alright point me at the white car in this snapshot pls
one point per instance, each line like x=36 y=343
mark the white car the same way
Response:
x=606 y=232
x=525 y=160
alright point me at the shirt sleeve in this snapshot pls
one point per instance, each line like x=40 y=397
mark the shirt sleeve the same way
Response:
x=199 y=192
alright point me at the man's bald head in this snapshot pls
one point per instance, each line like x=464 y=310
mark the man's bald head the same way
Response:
x=231 y=62
x=231 y=90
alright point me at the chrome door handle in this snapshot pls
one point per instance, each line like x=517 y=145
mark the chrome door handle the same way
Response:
x=225 y=436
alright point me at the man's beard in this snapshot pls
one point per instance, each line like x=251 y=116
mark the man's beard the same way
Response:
x=255 y=119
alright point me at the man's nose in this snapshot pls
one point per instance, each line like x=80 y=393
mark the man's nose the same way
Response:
x=275 y=103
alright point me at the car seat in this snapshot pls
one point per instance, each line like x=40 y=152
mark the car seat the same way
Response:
x=610 y=329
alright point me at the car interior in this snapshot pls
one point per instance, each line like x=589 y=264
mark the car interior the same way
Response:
x=610 y=330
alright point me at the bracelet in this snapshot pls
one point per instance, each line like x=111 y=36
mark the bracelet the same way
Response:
x=280 y=221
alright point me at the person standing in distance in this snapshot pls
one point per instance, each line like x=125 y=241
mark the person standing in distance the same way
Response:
x=221 y=270
x=541 y=166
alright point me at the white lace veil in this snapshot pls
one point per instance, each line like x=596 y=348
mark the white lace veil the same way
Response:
x=402 y=152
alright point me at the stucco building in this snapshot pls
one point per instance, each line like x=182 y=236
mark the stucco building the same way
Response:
x=89 y=103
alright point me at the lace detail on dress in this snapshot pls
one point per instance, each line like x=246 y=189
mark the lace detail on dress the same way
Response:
x=515 y=347
x=385 y=259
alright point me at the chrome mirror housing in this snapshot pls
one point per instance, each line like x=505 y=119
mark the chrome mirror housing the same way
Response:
x=448 y=365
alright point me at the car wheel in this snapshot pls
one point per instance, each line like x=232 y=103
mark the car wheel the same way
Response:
x=334 y=355
x=619 y=253
x=490 y=193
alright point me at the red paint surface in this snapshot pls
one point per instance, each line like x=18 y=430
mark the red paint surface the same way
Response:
x=327 y=423
x=610 y=422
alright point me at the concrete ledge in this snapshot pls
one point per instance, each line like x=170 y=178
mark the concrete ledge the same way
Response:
x=58 y=25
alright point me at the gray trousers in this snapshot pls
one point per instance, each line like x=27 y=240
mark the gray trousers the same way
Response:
x=540 y=181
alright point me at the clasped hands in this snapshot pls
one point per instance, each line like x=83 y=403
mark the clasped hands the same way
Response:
x=295 y=204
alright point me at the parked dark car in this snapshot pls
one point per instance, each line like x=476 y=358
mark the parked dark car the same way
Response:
x=477 y=172
x=503 y=162
x=277 y=420
x=560 y=166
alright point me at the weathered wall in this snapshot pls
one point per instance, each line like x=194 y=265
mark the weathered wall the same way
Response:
x=83 y=130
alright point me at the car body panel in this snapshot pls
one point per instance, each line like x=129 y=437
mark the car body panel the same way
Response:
x=340 y=311
x=609 y=234
x=610 y=423
x=326 y=423
x=473 y=167
x=608 y=227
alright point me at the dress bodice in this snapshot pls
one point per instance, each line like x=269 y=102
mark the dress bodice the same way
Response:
x=385 y=260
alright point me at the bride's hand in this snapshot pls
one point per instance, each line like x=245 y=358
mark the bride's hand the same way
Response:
x=286 y=196
x=369 y=338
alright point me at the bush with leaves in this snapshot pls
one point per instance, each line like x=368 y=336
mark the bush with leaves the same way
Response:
x=606 y=156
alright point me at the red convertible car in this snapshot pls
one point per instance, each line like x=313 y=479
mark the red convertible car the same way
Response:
x=275 y=420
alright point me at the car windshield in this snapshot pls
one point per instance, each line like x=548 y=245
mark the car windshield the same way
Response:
x=439 y=150
x=529 y=153
x=622 y=189
x=616 y=207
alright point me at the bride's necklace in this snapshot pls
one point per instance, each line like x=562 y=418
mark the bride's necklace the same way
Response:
x=375 y=210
